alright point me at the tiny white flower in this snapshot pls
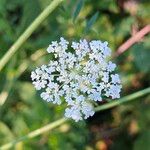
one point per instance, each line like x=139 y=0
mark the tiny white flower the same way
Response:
x=110 y=66
x=75 y=45
x=74 y=113
x=45 y=95
x=96 y=96
x=115 y=78
x=87 y=109
x=33 y=75
x=105 y=77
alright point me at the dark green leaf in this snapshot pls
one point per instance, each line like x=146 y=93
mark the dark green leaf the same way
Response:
x=78 y=9
x=91 y=21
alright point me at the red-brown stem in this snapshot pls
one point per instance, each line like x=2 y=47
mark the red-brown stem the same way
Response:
x=132 y=40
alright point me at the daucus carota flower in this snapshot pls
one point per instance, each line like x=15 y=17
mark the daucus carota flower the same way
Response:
x=80 y=73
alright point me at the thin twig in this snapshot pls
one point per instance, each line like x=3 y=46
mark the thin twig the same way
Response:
x=63 y=120
x=135 y=38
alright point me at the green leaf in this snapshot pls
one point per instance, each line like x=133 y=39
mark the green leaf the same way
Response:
x=78 y=9
x=142 y=143
x=91 y=21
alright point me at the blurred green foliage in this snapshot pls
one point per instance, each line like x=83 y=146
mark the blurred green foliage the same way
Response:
x=21 y=108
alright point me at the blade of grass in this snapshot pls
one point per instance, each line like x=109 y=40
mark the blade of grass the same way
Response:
x=27 y=33
x=63 y=120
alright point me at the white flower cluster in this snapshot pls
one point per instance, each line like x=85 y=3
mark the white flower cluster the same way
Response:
x=78 y=76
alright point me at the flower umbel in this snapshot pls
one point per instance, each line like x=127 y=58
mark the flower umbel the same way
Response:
x=81 y=76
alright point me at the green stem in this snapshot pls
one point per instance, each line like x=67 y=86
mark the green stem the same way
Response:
x=63 y=120
x=34 y=133
x=28 y=32
x=123 y=100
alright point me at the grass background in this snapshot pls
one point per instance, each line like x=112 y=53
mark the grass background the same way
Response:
x=123 y=127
